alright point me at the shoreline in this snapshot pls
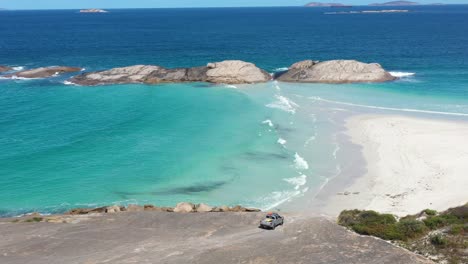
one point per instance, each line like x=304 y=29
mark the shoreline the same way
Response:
x=412 y=164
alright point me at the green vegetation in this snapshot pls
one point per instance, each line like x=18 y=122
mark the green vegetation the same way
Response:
x=438 y=240
x=429 y=233
x=384 y=226
x=430 y=212
x=34 y=219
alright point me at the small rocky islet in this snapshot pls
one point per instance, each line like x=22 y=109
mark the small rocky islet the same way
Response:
x=43 y=72
x=224 y=72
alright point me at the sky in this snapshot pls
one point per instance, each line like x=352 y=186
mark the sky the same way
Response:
x=77 y=4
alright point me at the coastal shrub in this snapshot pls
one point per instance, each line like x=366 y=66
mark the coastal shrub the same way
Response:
x=430 y=212
x=458 y=229
x=34 y=219
x=371 y=223
x=438 y=240
x=411 y=228
x=434 y=222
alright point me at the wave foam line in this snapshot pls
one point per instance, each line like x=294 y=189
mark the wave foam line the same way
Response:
x=268 y=122
x=390 y=108
x=297 y=181
x=402 y=74
x=281 y=141
x=284 y=104
x=300 y=163
x=281 y=69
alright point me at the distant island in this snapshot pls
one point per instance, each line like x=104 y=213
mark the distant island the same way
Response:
x=93 y=11
x=368 y=12
x=396 y=3
x=392 y=3
x=317 y=4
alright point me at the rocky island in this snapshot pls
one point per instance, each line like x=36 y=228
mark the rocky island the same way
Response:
x=5 y=68
x=335 y=71
x=43 y=72
x=240 y=72
x=224 y=72
x=395 y=3
x=318 y=4
x=228 y=72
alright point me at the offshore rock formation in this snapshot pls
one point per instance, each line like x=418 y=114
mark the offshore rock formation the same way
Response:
x=44 y=72
x=335 y=71
x=229 y=72
x=5 y=68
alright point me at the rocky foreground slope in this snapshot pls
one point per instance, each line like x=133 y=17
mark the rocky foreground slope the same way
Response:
x=162 y=237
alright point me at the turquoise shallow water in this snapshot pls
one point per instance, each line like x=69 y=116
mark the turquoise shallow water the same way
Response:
x=264 y=145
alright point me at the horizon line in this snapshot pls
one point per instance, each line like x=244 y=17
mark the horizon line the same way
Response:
x=196 y=7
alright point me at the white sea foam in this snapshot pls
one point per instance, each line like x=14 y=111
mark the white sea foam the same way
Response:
x=284 y=103
x=68 y=83
x=281 y=69
x=390 y=108
x=402 y=74
x=297 y=182
x=276 y=85
x=335 y=151
x=14 y=77
x=18 y=68
x=310 y=139
x=268 y=122
x=274 y=199
x=281 y=141
x=300 y=163
x=231 y=86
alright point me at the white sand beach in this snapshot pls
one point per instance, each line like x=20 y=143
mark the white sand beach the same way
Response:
x=412 y=164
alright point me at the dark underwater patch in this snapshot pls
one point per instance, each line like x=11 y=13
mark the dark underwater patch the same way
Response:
x=198 y=188
x=265 y=156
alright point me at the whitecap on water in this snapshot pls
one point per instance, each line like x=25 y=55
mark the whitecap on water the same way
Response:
x=284 y=103
x=402 y=74
x=281 y=141
x=268 y=122
x=297 y=181
x=281 y=69
x=300 y=163
x=68 y=83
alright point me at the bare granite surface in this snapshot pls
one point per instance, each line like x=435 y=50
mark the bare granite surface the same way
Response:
x=162 y=237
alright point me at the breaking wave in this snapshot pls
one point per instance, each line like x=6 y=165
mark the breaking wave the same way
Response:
x=281 y=141
x=268 y=122
x=300 y=163
x=281 y=69
x=402 y=74
x=297 y=181
x=284 y=103
x=390 y=108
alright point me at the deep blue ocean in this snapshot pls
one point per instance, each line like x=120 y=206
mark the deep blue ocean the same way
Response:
x=65 y=146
